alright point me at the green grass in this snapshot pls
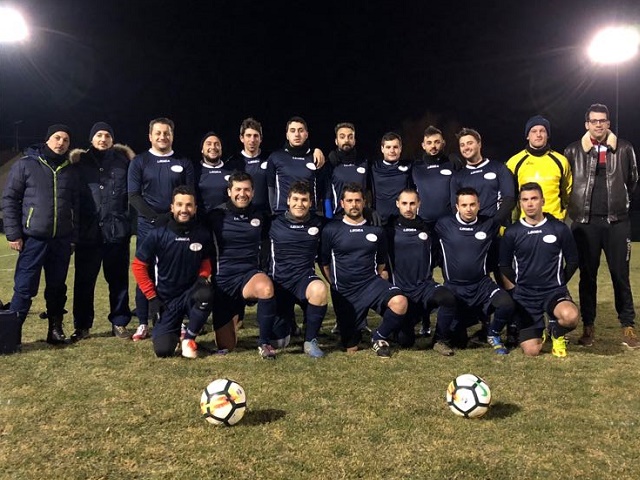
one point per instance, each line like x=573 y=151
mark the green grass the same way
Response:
x=108 y=409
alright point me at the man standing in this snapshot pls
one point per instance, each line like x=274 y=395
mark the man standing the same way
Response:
x=409 y=238
x=605 y=174
x=180 y=251
x=238 y=233
x=40 y=202
x=352 y=258
x=212 y=174
x=151 y=179
x=548 y=168
x=465 y=240
x=539 y=256
x=295 y=239
x=345 y=166
x=389 y=176
x=105 y=231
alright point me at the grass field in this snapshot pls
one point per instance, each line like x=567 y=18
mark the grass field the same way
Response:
x=108 y=409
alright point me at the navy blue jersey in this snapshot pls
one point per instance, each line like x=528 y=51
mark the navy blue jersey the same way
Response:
x=257 y=168
x=283 y=169
x=338 y=175
x=353 y=252
x=177 y=256
x=538 y=253
x=433 y=183
x=465 y=247
x=155 y=178
x=212 y=183
x=387 y=181
x=237 y=237
x=409 y=252
x=491 y=179
x=294 y=248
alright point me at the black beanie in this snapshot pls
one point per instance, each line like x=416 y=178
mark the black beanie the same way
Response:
x=58 y=127
x=207 y=135
x=100 y=126
x=537 y=120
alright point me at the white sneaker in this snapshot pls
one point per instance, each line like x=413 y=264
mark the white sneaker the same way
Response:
x=189 y=348
x=142 y=332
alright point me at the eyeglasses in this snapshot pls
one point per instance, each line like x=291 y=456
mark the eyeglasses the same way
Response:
x=598 y=121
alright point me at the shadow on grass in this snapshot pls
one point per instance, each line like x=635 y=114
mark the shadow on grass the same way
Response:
x=502 y=410
x=262 y=416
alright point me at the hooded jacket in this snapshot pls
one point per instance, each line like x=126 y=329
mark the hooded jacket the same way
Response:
x=622 y=177
x=41 y=200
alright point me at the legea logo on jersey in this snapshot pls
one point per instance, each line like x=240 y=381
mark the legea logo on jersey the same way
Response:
x=480 y=235
x=263 y=165
x=313 y=231
x=195 y=247
x=361 y=170
x=177 y=168
x=549 y=238
x=255 y=222
x=490 y=176
x=423 y=236
x=403 y=168
x=311 y=166
x=372 y=237
x=446 y=171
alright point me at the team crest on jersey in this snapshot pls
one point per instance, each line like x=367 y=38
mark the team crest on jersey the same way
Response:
x=423 y=235
x=372 y=237
x=255 y=222
x=361 y=170
x=226 y=177
x=313 y=231
x=403 y=168
x=263 y=165
x=177 y=168
x=311 y=166
x=480 y=235
x=195 y=247
x=549 y=238
x=490 y=176
x=446 y=171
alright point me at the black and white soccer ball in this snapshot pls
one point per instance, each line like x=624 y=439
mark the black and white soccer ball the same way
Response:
x=469 y=396
x=223 y=402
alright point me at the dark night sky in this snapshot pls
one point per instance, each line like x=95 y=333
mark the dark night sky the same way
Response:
x=382 y=65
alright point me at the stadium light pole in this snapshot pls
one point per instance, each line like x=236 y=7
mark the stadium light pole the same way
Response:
x=613 y=46
x=13 y=29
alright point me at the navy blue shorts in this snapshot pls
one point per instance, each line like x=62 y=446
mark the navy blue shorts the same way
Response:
x=533 y=304
x=476 y=295
x=355 y=305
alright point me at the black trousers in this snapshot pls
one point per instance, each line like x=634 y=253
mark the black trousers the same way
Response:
x=615 y=240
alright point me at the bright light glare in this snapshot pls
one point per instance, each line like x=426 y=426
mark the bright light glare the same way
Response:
x=614 y=45
x=13 y=27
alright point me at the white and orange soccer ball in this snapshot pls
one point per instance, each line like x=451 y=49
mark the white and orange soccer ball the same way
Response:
x=469 y=396
x=223 y=402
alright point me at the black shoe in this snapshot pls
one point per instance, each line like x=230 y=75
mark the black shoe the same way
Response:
x=79 y=334
x=55 y=335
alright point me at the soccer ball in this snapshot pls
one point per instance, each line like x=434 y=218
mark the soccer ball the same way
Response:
x=469 y=396
x=223 y=402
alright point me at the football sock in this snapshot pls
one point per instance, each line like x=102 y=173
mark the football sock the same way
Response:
x=197 y=319
x=496 y=326
x=266 y=316
x=556 y=329
x=390 y=322
x=314 y=314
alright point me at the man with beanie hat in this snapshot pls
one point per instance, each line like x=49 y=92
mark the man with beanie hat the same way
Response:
x=105 y=231
x=40 y=202
x=212 y=174
x=548 y=168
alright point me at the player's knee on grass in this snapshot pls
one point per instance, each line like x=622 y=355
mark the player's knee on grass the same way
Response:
x=165 y=345
x=398 y=304
x=226 y=337
x=531 y=347
x=316 y=293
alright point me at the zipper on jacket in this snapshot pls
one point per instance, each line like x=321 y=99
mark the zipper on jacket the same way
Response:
x=55 y=191
x=29 y=216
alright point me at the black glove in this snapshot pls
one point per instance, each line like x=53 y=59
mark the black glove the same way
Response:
x=203 y=282
x=156 y=307
x=371 y=216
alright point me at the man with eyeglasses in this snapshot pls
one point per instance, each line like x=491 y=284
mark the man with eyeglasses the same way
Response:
x=605 y=174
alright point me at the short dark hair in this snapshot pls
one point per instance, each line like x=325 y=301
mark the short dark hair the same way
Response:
x=298 y=120
x=163 y=121
x=351 y=187
x=301 y=187
x=183 y=190
x=251 y=123
x=345 y=125
x=529 y=186
x=408 y=190
x=389 y=136
x=469 y=131
x=237 y=177
x=431 y=130
x=596 y=107
x=466 y=191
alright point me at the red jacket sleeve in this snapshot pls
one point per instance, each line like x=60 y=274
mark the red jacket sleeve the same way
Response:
x=141 y=274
